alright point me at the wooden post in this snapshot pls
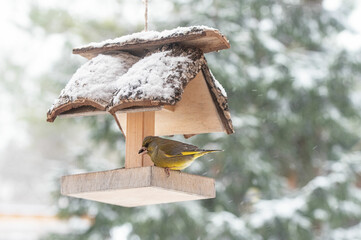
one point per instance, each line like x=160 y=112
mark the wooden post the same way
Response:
x=139 y=125
x=148 y=130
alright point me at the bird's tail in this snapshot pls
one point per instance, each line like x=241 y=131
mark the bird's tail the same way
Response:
x=210 y=151
x=199 y=152
x=204 y=152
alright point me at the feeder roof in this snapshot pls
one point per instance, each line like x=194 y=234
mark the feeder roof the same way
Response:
x=205 y=38
x=118 y=81
x=94 y=83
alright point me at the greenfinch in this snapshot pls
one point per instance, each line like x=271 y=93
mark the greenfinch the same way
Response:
x=171 y=154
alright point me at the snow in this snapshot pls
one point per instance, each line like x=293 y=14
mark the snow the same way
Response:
x=225 y=220
x=271 y=43
x=349 y=40
x=121 y=232
x=294 y=209
x=287 y=208
x=96 y=79
x=149 y=35
x=346 y=234
x=158 y=76
x=340 y=174
x=245 y=120
x=350 y=208
x=218 y=85
x=331 y=5
x=320 y=182
x=320 y=214
x=147 y=79
x=112 y=79
x=307 y=68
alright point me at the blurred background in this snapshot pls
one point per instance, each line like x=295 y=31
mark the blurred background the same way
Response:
x=291 y=170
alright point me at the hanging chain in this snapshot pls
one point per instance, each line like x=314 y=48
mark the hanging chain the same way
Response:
x=146 y=15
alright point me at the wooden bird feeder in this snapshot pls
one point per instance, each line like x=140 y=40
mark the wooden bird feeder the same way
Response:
x=153 y=83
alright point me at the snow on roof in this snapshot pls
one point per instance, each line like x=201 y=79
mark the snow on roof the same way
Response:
x=159 y=76
x=149 y=35
x=218 y=85
x=96 y=79
x=206 y=39
x=114 y=82
x=219 y=97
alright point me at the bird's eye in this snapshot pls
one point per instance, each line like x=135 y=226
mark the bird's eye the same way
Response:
x=146 y=145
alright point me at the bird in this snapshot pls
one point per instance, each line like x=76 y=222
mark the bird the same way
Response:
x=170 y=154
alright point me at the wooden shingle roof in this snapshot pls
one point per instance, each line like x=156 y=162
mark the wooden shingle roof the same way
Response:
x=113 y=81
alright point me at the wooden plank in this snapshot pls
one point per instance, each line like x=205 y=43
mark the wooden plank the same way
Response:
x=212 y=41
x=140 y=109
x=134 y=140
x=82 y=112
x=75 y=108
x=220 y=99
x=122 y=120
x=195 y=113
x=206 y=40
x=183 y=182
x=138 y=125
x=170 y=108
x=138 y=186
x=148 y=130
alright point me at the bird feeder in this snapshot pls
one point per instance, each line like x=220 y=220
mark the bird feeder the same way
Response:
x=153 y=83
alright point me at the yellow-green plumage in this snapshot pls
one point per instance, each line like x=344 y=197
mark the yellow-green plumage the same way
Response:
x=172 y=154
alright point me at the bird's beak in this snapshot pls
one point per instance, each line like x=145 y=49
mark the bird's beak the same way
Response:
x=143 y=150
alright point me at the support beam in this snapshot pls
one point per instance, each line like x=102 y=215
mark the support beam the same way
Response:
x=134 y=140
x=139 y=125
x=148 y=130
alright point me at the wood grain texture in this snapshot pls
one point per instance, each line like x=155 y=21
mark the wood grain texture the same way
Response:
x=148 y=130
x=134 y=139
x=198 y=107
x=170 y=108
x=81 y=112
x=138 y=186
x=221 y=101
x=121 y=119
x=195 y=113
x=77 y=106
x=139 y=125
x=140 y=109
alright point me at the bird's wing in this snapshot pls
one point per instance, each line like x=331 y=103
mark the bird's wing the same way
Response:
x=173 y=148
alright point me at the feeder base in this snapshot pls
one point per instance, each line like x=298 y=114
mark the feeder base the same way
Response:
x=131 y=187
